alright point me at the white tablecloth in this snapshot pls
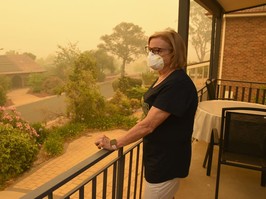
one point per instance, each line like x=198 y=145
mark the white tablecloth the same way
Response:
x=208 y=116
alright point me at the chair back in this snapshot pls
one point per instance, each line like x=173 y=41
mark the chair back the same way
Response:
x=211 y=88
x=243 y=132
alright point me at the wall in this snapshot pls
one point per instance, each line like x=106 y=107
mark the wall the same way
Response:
x=244 y=55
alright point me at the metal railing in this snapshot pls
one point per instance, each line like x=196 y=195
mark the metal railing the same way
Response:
x=120 y=177
x=122 y=174
x=254 y=92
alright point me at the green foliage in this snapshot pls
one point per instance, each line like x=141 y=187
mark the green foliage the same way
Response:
x=84 y=99
x=149 y=78
x=65 y=59
x=53 y=85
x=125 y=83
x=5 y=82
x=32 y=56
x=86 y=62
x=119 y=104
x=41 y=131
x=35 y=82
x=101 y=77
x=126 y=42
x=54 y=144
x=18 y=147
x=9 y=116
x=56 y=137
x=17 y=152
x=4 y=86
x=130 y=87
x=3 y=97
x=136 y=92
x=111 y=122
x=103 y=61
x=70 y=130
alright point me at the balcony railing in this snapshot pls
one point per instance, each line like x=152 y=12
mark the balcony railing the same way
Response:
x=254 y=92
x=121 y=175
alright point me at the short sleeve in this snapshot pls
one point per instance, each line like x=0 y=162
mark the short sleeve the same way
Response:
x=175 y=97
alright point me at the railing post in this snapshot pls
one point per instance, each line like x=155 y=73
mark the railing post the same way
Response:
x=120 y=174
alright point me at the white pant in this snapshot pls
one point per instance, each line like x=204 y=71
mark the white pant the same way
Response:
x=164 y=190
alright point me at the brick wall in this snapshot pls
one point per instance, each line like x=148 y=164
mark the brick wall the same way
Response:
x=245 y=49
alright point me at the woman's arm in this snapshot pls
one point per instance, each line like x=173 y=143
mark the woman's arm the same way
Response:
x=153 y=119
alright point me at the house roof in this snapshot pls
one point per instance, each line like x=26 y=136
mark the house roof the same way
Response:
x=18 y=64
x=227 y=6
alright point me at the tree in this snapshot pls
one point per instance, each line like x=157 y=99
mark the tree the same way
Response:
x=84 y=99
x=103 y=60
x=31 y=55
x=126 y=42
x=65 y=59
x=200 y=30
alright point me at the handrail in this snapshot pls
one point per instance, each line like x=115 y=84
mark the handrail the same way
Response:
x=61 y=179
x=49 y=187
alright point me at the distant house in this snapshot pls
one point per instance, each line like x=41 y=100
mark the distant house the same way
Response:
x=18 y=68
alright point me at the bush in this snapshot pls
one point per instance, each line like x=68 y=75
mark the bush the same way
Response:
x=71 y=130
x=135 y=93
x=35 y=82
x=125 y=83
x=41 y=131
x=3 y=97
x=119 y=104
x=148 y=78
x=11 y=117
x=111 y=122
x=17 y=152
x=53 y=85
x=54 y=143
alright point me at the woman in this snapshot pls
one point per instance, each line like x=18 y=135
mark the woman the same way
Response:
x=170 y=104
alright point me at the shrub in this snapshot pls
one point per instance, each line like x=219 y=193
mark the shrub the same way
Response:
x=125 y=83
x=71 y=130
x=114 y=121
x=54 y=143
x=3 y=97
x=119 y=104
x=41 y=131
x=35 y=82
x=11 y=117
x=18 y=147
x=148 y=78
x=135 y=93
x=4 y=86
x=17 y=152
x=52 y=85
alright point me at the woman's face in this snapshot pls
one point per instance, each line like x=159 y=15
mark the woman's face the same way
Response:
x=162 y=48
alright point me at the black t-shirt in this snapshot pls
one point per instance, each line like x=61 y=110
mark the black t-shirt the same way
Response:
x=167 y=150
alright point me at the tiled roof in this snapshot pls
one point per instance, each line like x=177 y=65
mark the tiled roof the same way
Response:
x=15 y=64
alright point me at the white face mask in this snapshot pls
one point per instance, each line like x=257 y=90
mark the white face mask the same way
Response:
x=155 y=61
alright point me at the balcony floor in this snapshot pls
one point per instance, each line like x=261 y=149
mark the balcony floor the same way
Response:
x=234 y=182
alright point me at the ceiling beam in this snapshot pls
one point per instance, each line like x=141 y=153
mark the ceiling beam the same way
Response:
x=211 y=6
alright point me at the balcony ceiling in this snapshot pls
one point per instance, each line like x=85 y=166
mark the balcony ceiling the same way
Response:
x=227 y=6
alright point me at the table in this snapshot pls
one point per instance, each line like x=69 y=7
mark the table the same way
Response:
x=208 y=116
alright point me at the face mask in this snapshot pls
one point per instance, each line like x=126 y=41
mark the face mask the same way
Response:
x=155 y=61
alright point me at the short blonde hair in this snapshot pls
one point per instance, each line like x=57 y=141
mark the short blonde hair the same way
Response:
x=179 y=58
